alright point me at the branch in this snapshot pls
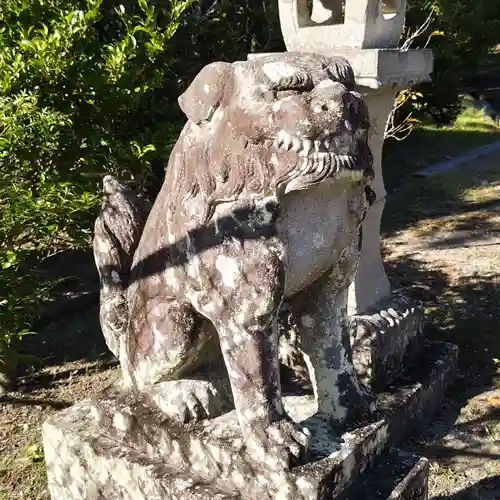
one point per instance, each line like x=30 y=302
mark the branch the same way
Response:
x=404 y=128
x=419 y=32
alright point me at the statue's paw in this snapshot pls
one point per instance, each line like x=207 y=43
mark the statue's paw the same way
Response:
x=188 y=400
x=285 y=440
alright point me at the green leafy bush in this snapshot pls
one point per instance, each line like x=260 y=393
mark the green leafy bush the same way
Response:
x=81 y=93
x=89 y=87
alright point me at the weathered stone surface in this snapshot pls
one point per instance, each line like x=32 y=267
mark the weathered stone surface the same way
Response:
x=368 y=37
x=116 y=448
x=378 y=73
x=263 y=199
x=381 y=69
x=398 y=476
x=386 y=340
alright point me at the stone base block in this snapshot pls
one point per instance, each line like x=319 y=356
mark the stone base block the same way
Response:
x=398 y=476
x=116 y=448
x=386 y=340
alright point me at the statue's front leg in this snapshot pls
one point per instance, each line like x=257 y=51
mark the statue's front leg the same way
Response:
x=247 y=329
x=321 y=316
x=251 y=357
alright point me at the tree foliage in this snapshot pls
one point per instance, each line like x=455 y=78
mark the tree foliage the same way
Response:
x=465 y=32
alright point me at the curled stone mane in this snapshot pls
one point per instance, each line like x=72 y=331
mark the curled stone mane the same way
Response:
x=215 y=179
x=226 y=147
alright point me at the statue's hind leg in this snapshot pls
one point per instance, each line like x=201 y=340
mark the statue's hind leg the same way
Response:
x=166 y=363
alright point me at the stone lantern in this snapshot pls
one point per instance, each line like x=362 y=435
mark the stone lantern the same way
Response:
x=360 y=24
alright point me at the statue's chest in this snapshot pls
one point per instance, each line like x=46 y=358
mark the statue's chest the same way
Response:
x=316 y=226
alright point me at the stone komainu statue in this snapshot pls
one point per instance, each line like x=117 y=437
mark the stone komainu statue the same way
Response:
x=262 y=201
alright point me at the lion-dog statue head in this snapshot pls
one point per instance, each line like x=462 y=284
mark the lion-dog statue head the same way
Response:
x=277 y=124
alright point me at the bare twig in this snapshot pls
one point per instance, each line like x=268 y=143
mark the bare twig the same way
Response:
x=411 y=37
x=401 y=129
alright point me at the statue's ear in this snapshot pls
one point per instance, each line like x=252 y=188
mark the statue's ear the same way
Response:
x=207 y=91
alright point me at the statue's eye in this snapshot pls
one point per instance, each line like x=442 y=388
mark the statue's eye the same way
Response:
x=282 y=94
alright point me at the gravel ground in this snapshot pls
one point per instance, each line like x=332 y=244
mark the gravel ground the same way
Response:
x=442 y=243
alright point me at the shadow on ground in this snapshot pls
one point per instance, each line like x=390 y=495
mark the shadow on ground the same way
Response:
x=462 y=438
x=464 y=202
x=463 y=311
x=69 y=347
x=425 y=147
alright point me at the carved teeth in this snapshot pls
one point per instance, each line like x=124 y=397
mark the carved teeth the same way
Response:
x=279 y=139
x=321 y=159
x=285 y=139
x=304 y=166
x=282 y=138
x=336 y=165
x=296 y=145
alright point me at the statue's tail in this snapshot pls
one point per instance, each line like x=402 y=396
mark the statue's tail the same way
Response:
x=117 y=231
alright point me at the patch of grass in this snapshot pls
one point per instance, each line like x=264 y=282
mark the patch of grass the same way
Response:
x=429 y=144
x=426 y=205
x=472 y=119
x=25 y=475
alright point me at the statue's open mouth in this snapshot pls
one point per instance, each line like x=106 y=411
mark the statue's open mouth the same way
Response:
x=319 y=159
x=304 y=147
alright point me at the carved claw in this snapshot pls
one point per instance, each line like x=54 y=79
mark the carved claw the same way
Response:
x=188 y=400
x=285 y=440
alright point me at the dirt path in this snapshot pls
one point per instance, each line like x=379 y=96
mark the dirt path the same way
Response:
x=442 y=243
x=76 y=364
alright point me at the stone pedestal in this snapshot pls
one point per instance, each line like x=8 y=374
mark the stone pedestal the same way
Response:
x=386 y=340
x=115 y=447
x=399 y=476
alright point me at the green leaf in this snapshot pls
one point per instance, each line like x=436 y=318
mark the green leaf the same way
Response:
x=143 y=4
x=33 y=452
